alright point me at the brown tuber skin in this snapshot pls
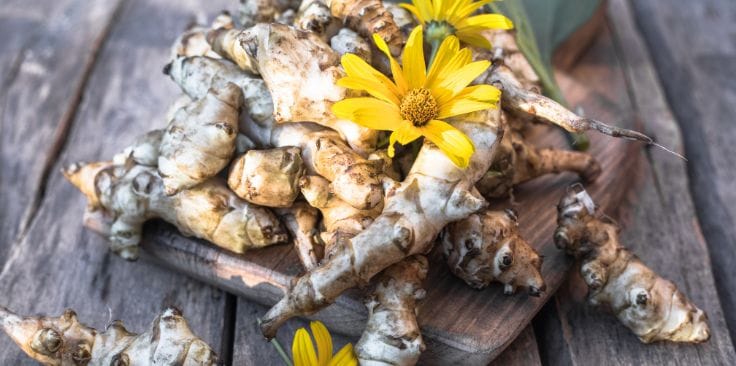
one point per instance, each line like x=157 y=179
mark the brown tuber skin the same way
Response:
x=392 y=335
x=517 y=161
x=64 y=341
x=487 y=247
x=267 y=177
x=651 y=306
x=369 y=17
x=122 y=197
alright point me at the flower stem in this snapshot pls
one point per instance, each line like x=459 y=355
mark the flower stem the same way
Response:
x=279 y=349
x=435 y=45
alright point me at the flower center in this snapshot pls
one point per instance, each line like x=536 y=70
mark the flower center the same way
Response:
x=419 y=107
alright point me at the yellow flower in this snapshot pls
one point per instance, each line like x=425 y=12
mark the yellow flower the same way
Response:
x=452 y=16
x=416 y=101
x=304 y=354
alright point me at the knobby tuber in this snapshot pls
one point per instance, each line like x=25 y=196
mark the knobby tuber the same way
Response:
x=435 y=193
x=354 y=179
x=267 y=177
x=369 y=17
x=314 y=16
x=264 y=11
x=121 y=197
x=300 y=71
x=347 y=41
x=64 y=341
x=200 y=141
x=517 y=161
x=651 y=306
x=302 y=220
x=392 y=335
x=487 y=247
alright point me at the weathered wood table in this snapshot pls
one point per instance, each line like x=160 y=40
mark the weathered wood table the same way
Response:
x=79 y=80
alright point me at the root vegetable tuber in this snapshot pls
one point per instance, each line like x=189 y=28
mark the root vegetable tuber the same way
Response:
x=487 y=247
x=122 y=197
x=392 y=335
x=651 y=306
x=301 y=220
x=517 y=161
x=264 y=11
x=354 y=179
x=369 y=17
x=267 y=177
x=64 y=341
x=200 y=141
x=347 y=41
x=300 y=70
x=341 y=220
x=435 y=193
x=314 y=16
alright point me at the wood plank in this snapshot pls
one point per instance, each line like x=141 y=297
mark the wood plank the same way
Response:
x=483 y=323
x=661 y=229
x=45 y=48
x=59 y=264
x=522 y=352
x=694 y=54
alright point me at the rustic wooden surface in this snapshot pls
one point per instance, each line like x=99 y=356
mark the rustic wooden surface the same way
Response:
x=73 y=68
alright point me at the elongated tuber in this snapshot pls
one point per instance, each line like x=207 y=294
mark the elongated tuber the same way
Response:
x=354 y=179
x=517 y=161
x=122 y=197
x=200 y=141
x=651 y=306
x=392 y=335
x=302 y=220
x=301 y=72
x=64 y=341
x=487 y=247
x=435 y=193
x=369 y=17
x=267 y=177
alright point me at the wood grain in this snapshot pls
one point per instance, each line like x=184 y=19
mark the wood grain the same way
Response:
x=693 y=49
x=459 y=324
x=59 y=264
x=660 y=227
x=45 y=48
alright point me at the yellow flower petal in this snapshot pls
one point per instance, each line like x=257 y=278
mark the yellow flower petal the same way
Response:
x=457 y=61
x=454 y=143
x=474 y=38
x=344 y=357
x=487 y=21
x=458 y=80
x=445 y=53
x=415 y=70
x=425 y=9
x=413 y=9
x=438 y=8
x=356 y=67
x=395 y=68
x=463 y=106
x=405 y=134
x=324 y=342
x=302 y=349
x=373 y=88
x=369 y=112
x=468 y=9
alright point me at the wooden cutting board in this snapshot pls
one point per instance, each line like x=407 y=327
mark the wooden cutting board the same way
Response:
x=460 y=325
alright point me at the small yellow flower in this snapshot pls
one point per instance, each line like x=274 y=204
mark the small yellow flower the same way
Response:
x=453 y=17
x=304 y=354
x=416 y=101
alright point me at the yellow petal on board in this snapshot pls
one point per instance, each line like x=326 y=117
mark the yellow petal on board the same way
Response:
x=415 y=70
x=413 y=9
x=356 y=67
x=344 y=357
x=369 y=112
x=405 y=134
x=487 y=21
x=452 y=142
x=303 y=349
x=398 y=74
x=372 y=87
x=324 y=342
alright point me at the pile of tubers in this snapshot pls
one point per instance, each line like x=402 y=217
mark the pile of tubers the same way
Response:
x=253 y=156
